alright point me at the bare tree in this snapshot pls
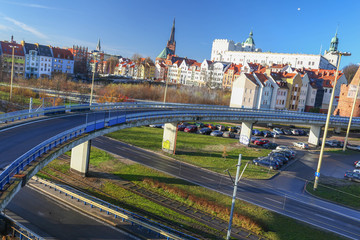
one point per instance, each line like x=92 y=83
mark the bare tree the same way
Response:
x=136 y=57
x=111 y=64
x=350 y=71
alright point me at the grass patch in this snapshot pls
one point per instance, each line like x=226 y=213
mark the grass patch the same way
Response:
x=337 y=190
x=266 y=223
x=200 y=150
x=339 y=151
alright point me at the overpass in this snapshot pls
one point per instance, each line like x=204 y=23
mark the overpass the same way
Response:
x=29 y=146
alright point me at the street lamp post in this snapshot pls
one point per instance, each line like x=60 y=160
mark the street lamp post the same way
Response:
x=12 y=69
x=351 y=116
x=237 y=179
x=317 y=173
x=93 y=79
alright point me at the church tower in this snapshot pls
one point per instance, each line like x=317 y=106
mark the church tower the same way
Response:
x=171 y=44
x=329 y=54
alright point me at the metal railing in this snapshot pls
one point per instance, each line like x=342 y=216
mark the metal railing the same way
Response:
x=24 y=114
x=21 y=232
x=18 y=165
x=117 y=212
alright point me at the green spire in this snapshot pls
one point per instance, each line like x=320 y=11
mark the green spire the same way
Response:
x=250 y=39
x=334 y=43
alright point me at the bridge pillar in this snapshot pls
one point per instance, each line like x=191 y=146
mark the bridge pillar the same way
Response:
x=80 y=156
x=314 y=135
x=245 y=135
x=169 y=138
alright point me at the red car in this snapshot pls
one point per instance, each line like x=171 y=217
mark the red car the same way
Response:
x=211 y=126
x=261 y=142
x=190 y=128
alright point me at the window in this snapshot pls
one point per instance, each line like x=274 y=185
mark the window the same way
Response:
x=330 y=90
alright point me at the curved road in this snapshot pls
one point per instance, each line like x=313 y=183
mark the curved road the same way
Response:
x=15 y=141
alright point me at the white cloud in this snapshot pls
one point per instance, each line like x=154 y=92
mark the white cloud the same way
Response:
x=26 y=27
x=29 y=5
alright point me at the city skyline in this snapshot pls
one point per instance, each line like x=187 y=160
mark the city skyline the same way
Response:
x=125 y=28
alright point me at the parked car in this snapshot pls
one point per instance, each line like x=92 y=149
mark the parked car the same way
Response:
x=266 y=133
x=356 y=170
x=278 y=131
x=204 y=131
x=331 y=143
x=275 y=135
x=200 y=124
x=181 y=127
x=301 y=132
x=260 y=142
x=269 y=145
x=353 y=147
x=256 y=132
x=287 y=131
x=253 y=139
x=357 y=164
x=220 y=127
x=190 y=128
x=287 y=154
x=156 y=125
x=228 y=134
x=301 y=145
x=212 y=126
x=295 y=132
x=266 y=162
x=230 y=129
x=216 y=133
x=280 y=157
x=352 y=176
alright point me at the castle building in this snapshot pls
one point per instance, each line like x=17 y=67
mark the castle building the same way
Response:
x=241 y=53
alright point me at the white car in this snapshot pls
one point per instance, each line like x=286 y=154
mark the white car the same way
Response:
x=356 y=170
x=278 y=131
x=301 y=145
x=353 y=147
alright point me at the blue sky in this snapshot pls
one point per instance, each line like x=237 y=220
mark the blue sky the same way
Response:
x=143 y=26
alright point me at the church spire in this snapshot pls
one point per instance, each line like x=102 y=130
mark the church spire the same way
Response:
x=171 y=44
x=172 y=35
x=98 y=47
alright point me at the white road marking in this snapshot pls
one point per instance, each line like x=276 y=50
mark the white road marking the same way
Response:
x=274 y=200
x=210 y=179
x=324 y=217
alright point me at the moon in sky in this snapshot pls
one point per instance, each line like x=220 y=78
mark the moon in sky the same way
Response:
x=299 y=9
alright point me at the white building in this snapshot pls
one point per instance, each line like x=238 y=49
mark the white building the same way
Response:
x=226 y=50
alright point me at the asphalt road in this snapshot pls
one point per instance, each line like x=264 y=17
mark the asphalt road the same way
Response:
x=295 y=204
x=53 y=220
x=16 y=140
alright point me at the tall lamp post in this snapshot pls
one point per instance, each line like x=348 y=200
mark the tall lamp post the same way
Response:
x=93 y=78
x=351 y=116
x=12 y=69
x=317 y=173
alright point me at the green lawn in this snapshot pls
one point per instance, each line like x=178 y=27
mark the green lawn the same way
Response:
x=340 y=191
x=269 y=224
x=200 y=150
